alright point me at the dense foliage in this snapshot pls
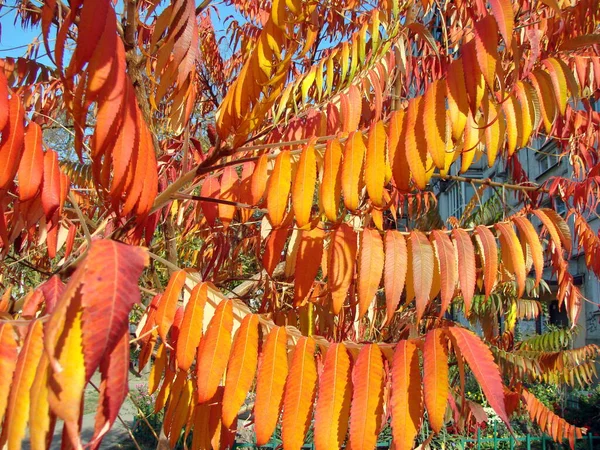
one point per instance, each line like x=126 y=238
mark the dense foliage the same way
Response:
x=266 y=192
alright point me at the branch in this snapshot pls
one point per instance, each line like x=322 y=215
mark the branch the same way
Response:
x=488 y=182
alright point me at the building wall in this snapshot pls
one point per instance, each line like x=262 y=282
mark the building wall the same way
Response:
x=540 y=162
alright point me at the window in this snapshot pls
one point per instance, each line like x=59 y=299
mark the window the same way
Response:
x=547 y=158
x=459 y=195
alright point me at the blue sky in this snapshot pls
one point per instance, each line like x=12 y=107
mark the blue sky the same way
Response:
x=14 y=39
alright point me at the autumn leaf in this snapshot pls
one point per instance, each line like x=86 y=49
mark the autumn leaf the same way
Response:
x=342 y=255
x=480 y=360
x=370 y=269
x=270 y=381
x=278 y=189
x=168 y=303
x=299 y=396
x=367 y=399
x=191 y=327
x=406 y=400
x=435 y=377
x=333 y=404
x=240 y=369
x=213 y=352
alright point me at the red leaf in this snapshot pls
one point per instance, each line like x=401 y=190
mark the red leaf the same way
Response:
x=51 y=185
x=11 y=146
x=109 y=292
x=32 y=164
x=114 y=387
x=481 y=361
x=210 y=189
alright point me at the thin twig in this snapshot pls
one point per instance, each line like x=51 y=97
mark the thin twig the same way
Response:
x=86 y=230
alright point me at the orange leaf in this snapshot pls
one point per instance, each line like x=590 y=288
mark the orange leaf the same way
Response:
x=331 y=188
x=435 y=377
x=512 y=110
x=333 y=403
x=278 y=189
x=397 y=152
x=213 y=352
x=273 y=248
x=486 y=44
x=157 y=369
x=394 y=271
x=367 y=399
x=512 y=254
x=41 y=419
x=270 y=381
x=354 y=155
x=467 y=275
x=229 y=192
x=340 y=266
x=458 y=104
x=66 y=387
x=32 y=164
x=481 y=361
x=11 y=146
x=474 y=80
x=446 y=256
x=168 y=303
x=489 y=252
x=240 y=369
x=422 y=265
x=308 y=259
x=300 y=390
x=542 y=83
x=406 y=401
x=564 y=232
x=532 y=243
x=259 y=179
x=303 y=189
x=18 y=403
x=434 y=122
x=562 y=79
x=375 y=163
x=370 y=268
x=503 y=13
x=191 y=327
x=494 y=132
x=415 y=143
x=8 y=362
